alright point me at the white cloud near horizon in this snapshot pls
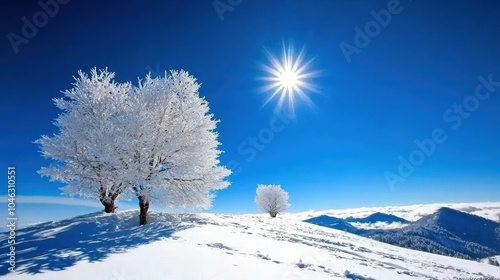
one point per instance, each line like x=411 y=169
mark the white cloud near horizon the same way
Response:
x=21 y=199
x=61 y=200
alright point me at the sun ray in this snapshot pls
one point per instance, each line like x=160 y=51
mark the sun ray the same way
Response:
x=288 y=78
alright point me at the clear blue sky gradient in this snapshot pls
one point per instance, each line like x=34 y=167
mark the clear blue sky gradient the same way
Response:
x=368 y=113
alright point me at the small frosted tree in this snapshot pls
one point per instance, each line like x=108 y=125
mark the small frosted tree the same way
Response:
x=86 y=148
x=271 y=199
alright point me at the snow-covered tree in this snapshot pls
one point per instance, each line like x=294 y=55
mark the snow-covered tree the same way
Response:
x=271 y=199
x=172 y=148
x=156 y=141
x=86 y=147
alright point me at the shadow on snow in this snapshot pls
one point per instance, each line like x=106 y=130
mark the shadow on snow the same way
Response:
x=54 y=246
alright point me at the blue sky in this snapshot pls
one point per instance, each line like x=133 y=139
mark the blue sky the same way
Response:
x=371 y=106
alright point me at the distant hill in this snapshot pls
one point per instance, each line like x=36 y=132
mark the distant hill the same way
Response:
x=378 y=217
x=461 y=234
x=333 y=222
x=465 y=226
x=447 y=232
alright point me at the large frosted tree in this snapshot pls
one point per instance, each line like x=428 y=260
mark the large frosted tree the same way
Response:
x=87 y=144
x=173 y=155
x=271 y=199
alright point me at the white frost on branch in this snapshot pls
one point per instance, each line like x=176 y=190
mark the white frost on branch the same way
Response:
x=173 y=147
x=86 y=148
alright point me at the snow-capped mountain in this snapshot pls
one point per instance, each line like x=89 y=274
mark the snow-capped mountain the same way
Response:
x=333 y=222
x=488 y=210
x=447 y=231
x=468 y=227
x=210 y=246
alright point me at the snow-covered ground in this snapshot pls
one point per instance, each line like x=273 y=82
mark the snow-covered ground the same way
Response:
x=487 y=260
x=210 y=246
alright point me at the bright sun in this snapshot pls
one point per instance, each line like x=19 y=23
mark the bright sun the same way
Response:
x=288 y=78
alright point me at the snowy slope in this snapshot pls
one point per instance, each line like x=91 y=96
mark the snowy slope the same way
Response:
x=209 y=246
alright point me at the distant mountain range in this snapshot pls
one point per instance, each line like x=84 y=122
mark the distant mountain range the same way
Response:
x=447 y=232
x=336 y=223
x=378 y=217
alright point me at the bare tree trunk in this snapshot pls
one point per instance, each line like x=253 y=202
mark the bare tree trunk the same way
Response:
x=273 y=214
x=108 y=200
x=109 y=205
x=144 y=207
